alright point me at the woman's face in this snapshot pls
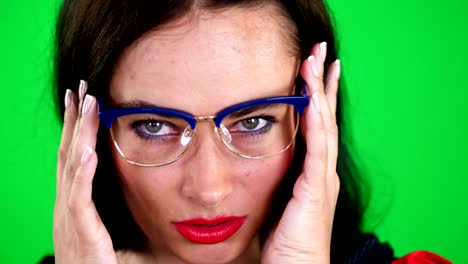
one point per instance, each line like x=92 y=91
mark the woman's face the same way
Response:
x=201 y=64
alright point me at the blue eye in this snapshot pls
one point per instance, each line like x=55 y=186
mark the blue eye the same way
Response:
x=255 y=125
x=252 y=123
x=154 y=128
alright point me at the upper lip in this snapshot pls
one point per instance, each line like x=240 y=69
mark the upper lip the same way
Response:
x=209 y=221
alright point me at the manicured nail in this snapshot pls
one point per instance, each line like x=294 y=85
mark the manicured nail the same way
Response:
x=323 y=51
x=313 y=65
x=315 y=99
x=337 y=69
x=86 y=155
x=87 y=104
x=82 y=89
x=67 y=98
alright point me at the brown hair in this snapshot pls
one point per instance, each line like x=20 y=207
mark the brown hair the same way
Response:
x=92 y=35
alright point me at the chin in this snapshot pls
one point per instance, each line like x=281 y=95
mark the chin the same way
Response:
x=209 y=254
x=225 y=252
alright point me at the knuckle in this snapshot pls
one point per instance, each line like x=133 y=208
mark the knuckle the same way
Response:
x=62 y=152
x=69 y=168
x=73 y=206
x=73 y=203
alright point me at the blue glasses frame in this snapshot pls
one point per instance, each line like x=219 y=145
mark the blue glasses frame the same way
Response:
x=108 y=116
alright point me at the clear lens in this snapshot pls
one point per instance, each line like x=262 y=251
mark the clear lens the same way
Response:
x=255 y=132
x=151 y=139
x=261 y=131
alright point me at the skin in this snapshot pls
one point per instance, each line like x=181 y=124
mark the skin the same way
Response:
x=208 y=180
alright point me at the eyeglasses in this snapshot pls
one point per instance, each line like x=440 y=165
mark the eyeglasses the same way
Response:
x=154 y=136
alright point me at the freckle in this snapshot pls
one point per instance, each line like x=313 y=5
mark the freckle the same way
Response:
x=236 y=49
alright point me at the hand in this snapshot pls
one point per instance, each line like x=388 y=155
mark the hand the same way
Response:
x=79 y=234
x=303 y=234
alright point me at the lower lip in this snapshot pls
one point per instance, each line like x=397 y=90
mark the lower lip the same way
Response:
x=206 y=232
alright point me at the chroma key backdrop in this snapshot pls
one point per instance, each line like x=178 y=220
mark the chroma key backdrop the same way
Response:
x=405 y=94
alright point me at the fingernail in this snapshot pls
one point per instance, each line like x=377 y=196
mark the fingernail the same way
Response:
x=323 y=51
x=315 y=99
x=87 y=104
x=313 y=65
x=82 y=89
x=337 y=69
x=67 y=98
x=86 y=155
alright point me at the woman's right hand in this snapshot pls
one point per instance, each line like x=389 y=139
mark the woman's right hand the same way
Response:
x=79 y=234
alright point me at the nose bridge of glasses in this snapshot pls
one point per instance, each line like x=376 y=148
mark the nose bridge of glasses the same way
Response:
x=211 y=119
x=220 y=131
x=204 y=118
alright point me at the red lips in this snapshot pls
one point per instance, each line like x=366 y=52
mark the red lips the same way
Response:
x=209 y=231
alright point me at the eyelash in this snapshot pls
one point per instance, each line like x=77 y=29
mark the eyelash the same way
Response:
x=136 y=124
x=269 y=119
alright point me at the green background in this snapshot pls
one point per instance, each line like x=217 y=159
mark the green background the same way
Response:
x=404 y=64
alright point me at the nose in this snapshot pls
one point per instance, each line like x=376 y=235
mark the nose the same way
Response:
x=209 y=177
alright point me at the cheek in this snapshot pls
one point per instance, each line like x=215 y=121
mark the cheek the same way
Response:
x=264 y=176
x=136 y=178
x=253 y=184
x=256 y=177
x=146 y=189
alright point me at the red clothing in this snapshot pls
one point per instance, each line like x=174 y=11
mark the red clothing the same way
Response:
x=421 y=257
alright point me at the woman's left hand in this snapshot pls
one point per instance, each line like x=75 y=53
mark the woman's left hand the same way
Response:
x=303 y=234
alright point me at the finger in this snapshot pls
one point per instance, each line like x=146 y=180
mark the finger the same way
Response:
x=316 y=86
x=73 y=105
x=331 y=130
x=69 y=121
x=82 y=89
x=321 y=56
x=310 y=73
x=80 y=203
x=316 y=159
x=81 y=93
x=331 y=89
x=84 y=135
x=319 y=52
x=329 y=116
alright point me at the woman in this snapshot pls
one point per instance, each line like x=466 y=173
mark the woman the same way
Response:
x=217 y=142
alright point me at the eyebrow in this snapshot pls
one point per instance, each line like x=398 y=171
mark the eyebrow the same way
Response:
x=145 y=104
x=252 y=109
x=135 y=104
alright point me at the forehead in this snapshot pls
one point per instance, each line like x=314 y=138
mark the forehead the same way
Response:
x=208 y=60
